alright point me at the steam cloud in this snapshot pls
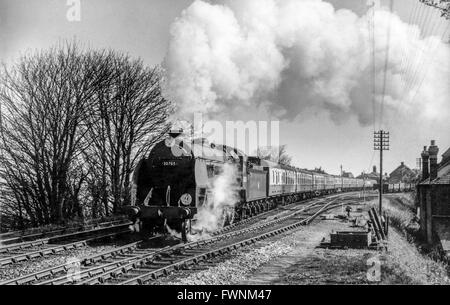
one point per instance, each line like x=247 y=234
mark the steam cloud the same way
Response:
x=224 y=197
x=295 y=55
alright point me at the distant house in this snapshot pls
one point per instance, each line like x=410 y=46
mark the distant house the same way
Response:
x=434 y=197
x=347 y=174
x=374 y=175
x=403 y=174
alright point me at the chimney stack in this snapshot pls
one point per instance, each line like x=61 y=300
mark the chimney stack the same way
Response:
x=425 y=158
x=402 y=163
x=433 y=152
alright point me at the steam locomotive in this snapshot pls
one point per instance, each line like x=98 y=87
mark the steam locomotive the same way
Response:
x=176 y=179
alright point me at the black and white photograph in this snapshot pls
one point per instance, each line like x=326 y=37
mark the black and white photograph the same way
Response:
x=224 y=150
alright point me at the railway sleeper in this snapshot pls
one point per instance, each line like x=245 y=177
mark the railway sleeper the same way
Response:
x=110 y=281
x=130 y=275
x=135 y=273
x=124 y=270
x=34 y=255
x=26 y=280
x=156 y=264
x=167 y=260
x=130 y=255
x=95 y=272
x=149 y=267
x=19 y=259
x=191 y=252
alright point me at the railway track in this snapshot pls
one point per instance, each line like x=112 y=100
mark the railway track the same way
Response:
x=89 y=267
x=154 y=264
x=111 y=259
x=16 y=253
x=31 y=235
x=277 y=212
x=190 y=254
x=114 y=265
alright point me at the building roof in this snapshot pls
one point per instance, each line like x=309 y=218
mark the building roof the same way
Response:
x=373 y=175
x=442 y=180
x=445 y=179
x=443 y=171
x=425 y=182
x=445 y=159
x=402 y=174
x=446 y=155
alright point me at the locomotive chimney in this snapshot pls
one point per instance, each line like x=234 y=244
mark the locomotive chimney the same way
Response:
x=425 y=158
x=374 y=169
x=433 y=151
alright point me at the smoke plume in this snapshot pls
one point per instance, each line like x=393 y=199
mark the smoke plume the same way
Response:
x=294 y=55
x=224 y=197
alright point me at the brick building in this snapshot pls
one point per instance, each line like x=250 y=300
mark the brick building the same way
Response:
x=434 y=197
x=403 y=174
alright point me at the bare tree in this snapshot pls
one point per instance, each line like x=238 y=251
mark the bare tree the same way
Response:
x=276 y=154
x=47 y=97
x=74 y=124
x=130 y=116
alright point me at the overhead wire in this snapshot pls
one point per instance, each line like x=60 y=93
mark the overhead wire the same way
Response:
x=411 y=17
x=386 y=60
x=421 y=60
x=425 y=73
x=420 y=20
x=372 y=54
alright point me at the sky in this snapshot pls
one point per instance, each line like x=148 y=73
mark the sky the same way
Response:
x=142 y=28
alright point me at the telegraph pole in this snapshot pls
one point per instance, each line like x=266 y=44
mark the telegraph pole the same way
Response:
x=381 y=142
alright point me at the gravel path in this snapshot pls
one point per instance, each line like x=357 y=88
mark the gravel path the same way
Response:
x=236 y=267
x=295 y=259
